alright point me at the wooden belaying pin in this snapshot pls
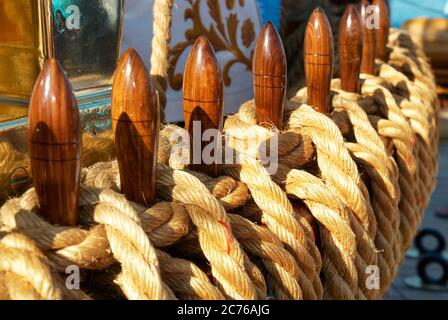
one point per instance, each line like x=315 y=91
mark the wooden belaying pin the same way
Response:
x=203 y=105
x=382 y=34
x=318 y=59
x=368 y=39
x=54 y=135
x=135 y=123
x=269 y=77
x=350 y=49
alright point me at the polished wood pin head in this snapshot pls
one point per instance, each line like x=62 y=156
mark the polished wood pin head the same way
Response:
x=203 y=104
x=269 y=76
x=382 y=12
x=350 y=49
x=368 y=38
x=54 y=135
x=318 y=56
x=135 y=123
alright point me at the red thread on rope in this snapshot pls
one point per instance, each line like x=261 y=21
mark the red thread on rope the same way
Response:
x=229 y=234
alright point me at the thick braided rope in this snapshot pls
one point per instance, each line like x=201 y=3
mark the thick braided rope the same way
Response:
x=421 y=116
x=369 y=151
x=224 y=189
x=423 y=119
x=410 y=59
x=396 y=126
x=186 y=279
x=282 y=270
x=232 y=200
x=339 y=252
x=231 y=268
x=160 y=49
x=233 y=194
x=284 y=222
x=245 y=107
x=426 y=151
x=282 y=277
x=131 y=247
x=19 y=256
x=111 y=176
x=130 y=280
x=340 y=174
x=182 y=276
x=242 y=126
x=99 y=147
x=92 y=251
x=422 y=93
x=410 y=72
x=165 y=223
x=127 y=240
x=249 y=139
x=404 y=60
x=406 y=49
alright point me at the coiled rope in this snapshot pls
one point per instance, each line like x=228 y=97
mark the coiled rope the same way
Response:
x=359 y=172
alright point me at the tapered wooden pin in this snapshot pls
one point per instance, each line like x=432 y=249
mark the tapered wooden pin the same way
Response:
x=54 y=134
x=368 y=38
x=383 y=32
x=269 y=76
x=135 y=123
x=203 y=105
x=318 y=57
x=350 y=49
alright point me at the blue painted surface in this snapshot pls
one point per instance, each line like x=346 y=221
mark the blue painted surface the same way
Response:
x=270 y=10
x=402 y=10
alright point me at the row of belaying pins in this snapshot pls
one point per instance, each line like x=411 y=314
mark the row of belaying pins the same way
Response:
x=54 y=129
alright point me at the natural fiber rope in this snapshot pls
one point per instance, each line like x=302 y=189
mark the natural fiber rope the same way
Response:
x=421 y=114
x=160 y=49
x=90 y=253
x=282 y=274
x=338 y=240
x=231 y=268
x=282 y=270
x=284 y=249
x=283 y=221
x=399 y=130
x=369 y=151
x=232 y=196
x=19 y=255
x=240 y=130
x=234 y=273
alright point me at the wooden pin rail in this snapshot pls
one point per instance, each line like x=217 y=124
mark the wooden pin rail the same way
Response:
x=383 y=31
x=269 y=77
x=202 y=100
x=350 y=49
x=135 y=124
x=368 y=40
x=54 y=135
x=318 y=57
